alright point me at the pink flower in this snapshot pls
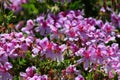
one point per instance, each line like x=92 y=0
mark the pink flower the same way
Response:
x=43 y=27
x=114 y=19
x=29 y=26
x=15 y=5
x=72 y=34
x=44 y=77
x=71 y=69
x=4 y=71
x=87 y=57
x=103 y=9
x=3 y=55
x=111 y=75
x=99 y=23
x=30 y=71
x=38 y=77
x=107 y=27
x=79 y=77
x=100 y=53
x=19 y=25
x=32 y=75
x=35 y=51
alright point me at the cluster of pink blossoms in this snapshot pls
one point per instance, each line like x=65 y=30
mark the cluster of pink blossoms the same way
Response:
x=11 y=46
x=71 y=70
x=14 y=5
x=49 y=49
x=115 y=19
x=15 y=45
x=4 y=71
x=86 y=38
x=72 y=26
x=95 y=55
x=91 y=34
x=32 y=75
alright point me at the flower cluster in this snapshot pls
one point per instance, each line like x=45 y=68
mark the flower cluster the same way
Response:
x=14 y=5
x=49 y=49
x=4 y=71
x=72 y=26
x=12 y=46
x=90 y=42
x=115 y=19
x=70 y=72
x=32 y=75
x=95 y=55
x=85 y=37
x=16 y=45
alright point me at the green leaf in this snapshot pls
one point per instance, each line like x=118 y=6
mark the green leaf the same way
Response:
x=30 y=8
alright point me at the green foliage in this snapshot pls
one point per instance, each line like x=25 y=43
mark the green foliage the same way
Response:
x=76 y=5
